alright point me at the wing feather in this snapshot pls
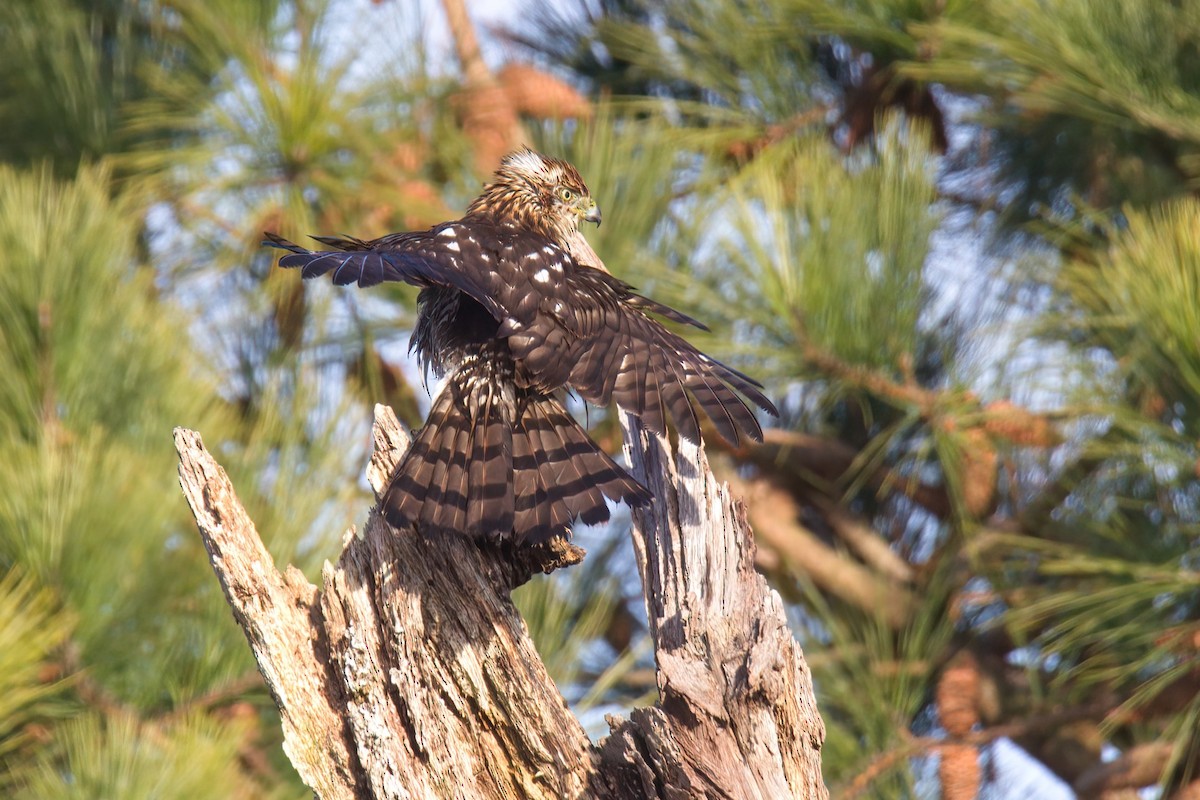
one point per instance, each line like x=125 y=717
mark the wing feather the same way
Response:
x=425 y=259
x=566 y=323
x=615 y=351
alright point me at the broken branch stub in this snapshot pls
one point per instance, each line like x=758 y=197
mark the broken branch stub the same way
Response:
x=409 y=674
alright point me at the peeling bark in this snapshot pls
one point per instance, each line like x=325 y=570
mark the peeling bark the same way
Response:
x=409 y=674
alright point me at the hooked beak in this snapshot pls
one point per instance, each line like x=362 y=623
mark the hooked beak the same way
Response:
x=592 y=214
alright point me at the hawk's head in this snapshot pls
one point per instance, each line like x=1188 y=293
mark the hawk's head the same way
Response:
x=538 y=192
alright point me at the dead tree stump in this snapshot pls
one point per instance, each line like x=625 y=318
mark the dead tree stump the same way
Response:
x=409 y=673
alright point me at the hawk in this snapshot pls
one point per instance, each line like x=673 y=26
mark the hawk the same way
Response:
x=512 y=315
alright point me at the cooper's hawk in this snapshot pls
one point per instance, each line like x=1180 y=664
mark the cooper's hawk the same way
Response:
x=513 y=319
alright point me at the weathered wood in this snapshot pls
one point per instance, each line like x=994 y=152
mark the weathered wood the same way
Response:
x=410 y=675
x=737 y=717
x=279 y=617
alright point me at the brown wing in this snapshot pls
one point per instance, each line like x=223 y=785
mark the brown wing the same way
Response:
x=512 y=273
x=593 y=334
x=566 y=324
x=453 y=254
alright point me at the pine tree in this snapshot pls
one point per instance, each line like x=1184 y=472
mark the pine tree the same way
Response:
x=962 y=237
x=957 y=237
x=147 y=147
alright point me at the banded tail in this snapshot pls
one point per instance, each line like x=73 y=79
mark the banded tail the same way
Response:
x=497 y=462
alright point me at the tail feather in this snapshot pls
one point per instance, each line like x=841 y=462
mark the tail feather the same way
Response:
x=568 y=476
x=555 y=516
x=496 y=461
x=412 y=495
x=436 y=468
x=490 y=494
x=457 y=479
x=569 y=492
x=528 y=500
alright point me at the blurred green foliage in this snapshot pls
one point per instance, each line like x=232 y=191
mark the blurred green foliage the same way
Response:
x=957 y=239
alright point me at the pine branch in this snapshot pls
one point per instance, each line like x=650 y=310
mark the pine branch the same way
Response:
x=777 y=519
x=1140 y=766
x=799 y=460
x=410 y=673
x=488 y=114
x=915 y=746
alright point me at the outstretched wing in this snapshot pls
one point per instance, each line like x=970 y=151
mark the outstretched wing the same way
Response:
x=450 y=255
x=566 y=324
x=593 y=334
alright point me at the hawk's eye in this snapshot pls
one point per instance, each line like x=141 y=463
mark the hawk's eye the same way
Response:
x=566 y=194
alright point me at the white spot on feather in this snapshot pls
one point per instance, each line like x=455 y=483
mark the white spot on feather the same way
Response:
x=449 y=233
x=541 y=276
x=548 y=250
x=452 y=246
